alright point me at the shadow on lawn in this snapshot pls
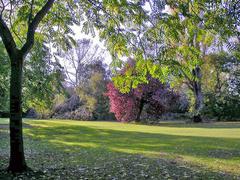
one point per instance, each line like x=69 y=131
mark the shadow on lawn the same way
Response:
x=117 y=152
x=72 y=137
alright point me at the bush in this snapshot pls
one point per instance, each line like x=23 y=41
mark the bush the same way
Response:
x=222 y=106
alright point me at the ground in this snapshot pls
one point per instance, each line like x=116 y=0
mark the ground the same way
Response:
x=65 y=149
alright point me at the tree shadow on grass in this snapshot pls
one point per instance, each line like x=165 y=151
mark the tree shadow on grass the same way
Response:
x=134 y=142
x=80 y=151
x=98 y=142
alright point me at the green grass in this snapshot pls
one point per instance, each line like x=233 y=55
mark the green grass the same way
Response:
x=4 y=121
x=170 y=150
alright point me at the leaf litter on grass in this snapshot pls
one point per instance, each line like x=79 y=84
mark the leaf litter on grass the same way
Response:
x=52 y=162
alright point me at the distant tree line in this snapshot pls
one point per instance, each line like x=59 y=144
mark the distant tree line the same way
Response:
x=82 y=88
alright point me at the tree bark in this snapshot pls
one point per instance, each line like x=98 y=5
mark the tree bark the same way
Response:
x=198 y=95
x=17 y=160
x=141 y=105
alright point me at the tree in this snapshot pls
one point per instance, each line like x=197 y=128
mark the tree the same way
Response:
x=77 y=59
x=173 y=40
x=20 y=23
x=199 y=27
x=41 y=81
x=91 y=90
x=223 y=88
x=87 y=75
x=17 y=160
x=128 y=105
x=124 y=106
x=87 y=100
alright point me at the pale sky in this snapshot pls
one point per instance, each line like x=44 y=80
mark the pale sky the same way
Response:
x=96 y=41
x=79 y=35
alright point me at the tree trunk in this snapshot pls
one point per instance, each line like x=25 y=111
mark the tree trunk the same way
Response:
x=17 y=160
x=198 y=95
x=198 y=102
x=141 y=105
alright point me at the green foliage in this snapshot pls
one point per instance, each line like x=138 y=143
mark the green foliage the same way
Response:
x=92 y=91
x=4 y=79
x=223 y=88
x=55 y=26
x=222 y=106
x=172 y=46
x=168 y=46
x=42 y=81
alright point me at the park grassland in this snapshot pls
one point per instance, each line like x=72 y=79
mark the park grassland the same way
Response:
x=170 y=150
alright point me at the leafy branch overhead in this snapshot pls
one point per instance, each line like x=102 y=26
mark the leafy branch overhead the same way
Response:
x=33 y=23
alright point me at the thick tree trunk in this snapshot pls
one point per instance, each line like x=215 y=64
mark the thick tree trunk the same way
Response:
x=141 y=105
x=198 y=95
x=198 y=102
x=17 y=160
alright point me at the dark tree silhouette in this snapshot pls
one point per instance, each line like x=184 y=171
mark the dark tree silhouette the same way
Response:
x=17 y=160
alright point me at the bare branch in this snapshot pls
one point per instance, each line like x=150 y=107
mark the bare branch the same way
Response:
x=3 y=7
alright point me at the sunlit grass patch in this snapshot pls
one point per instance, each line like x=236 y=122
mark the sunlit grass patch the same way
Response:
x=214 y=147
x=4 y=120
x=204 y=149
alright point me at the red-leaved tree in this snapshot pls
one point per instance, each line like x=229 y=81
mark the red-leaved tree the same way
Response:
x=124 y=106
x=128 y=107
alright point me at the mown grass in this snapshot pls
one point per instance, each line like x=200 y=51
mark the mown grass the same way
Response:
x=113 y=149
x=4 y=120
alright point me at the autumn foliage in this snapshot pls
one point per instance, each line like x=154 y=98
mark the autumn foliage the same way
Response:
x=122 y=105
x=127 y=107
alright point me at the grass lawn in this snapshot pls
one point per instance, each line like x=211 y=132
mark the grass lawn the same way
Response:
x=110 y=150
x=4 y=121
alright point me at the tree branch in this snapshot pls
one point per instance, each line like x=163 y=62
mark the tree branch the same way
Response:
x=31 y=12
x=11 y=24
x=7 y=38
x=33 y=26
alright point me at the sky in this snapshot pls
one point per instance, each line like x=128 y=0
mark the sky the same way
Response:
x=96 y=40
x=80 y=35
